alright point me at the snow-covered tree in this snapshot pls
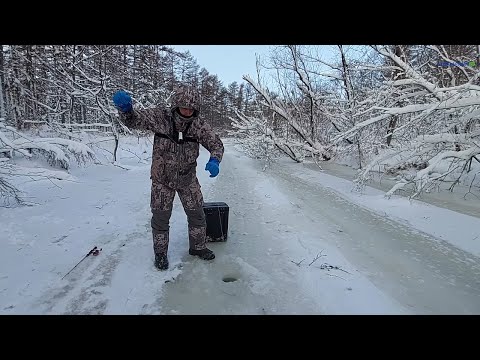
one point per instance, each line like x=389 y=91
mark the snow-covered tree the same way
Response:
x=411 y=111
x=436 y=132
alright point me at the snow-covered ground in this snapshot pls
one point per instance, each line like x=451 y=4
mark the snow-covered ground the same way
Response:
x=300 y=242
x=463 y=199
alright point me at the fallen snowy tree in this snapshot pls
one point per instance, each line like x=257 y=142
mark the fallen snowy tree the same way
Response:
x=426 y=161
x=259 y=140
x=58 y=152
x=393 y=110
x=295 y=149
x=435 y=128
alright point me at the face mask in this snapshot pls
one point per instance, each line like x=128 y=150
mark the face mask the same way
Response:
x=185 y=118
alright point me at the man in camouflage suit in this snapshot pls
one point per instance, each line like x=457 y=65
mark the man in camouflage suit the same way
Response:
x=178 y=132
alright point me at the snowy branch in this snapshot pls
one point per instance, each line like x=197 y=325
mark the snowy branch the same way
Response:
x=447 y=104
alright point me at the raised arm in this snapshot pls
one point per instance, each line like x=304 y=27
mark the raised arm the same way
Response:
x=148 y=119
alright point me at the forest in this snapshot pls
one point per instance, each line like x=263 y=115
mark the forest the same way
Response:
x=408 y=111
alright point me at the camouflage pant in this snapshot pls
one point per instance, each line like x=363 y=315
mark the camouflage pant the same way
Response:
x=161 y=204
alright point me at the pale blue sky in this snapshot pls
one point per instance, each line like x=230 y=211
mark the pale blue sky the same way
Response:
x=228 y=62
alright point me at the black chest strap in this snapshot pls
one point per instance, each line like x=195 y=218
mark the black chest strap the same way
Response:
x=175 y=135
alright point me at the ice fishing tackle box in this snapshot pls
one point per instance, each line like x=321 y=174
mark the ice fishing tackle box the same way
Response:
x=216 y=214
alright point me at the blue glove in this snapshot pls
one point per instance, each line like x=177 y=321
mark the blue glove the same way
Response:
x=212 y=166
x=122 y=101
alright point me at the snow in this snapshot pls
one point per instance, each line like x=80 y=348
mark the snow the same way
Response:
x=35 y=173
x=300 y=242
x=9 y=143
x=49 y=144
x=451 y=226
x=72 y=146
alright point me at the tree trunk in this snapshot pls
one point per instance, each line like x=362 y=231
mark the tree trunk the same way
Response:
x=349 y=92
x=31 y=111
x=16 y=103
x=346 y=77
x=116 y=147
x=134 y=68
x=72 y=97
x=478 y=56
x=393 y=122
x=391 y=127
x=312 y=122
x=359 y=153
x=2 y=81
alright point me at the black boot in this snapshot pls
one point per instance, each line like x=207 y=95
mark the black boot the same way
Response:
x=161 y=261
x=205 y=254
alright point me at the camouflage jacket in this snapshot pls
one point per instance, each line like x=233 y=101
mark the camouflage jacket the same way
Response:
x=174 y=164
